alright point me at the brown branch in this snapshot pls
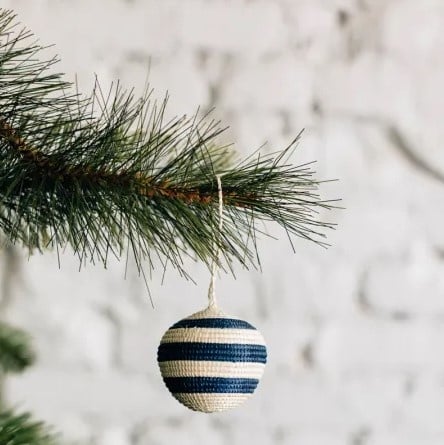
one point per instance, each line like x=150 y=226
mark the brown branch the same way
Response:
x=18 y=144
x=144 y=185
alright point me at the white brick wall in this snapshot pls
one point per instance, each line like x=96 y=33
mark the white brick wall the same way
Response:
x=355 y=333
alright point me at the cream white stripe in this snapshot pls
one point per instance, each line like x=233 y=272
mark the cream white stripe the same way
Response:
x=211 y=402
x=213 y=335
x=209 y=312
x=188 y=368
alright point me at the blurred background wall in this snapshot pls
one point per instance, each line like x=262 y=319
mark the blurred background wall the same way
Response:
x=355 y=333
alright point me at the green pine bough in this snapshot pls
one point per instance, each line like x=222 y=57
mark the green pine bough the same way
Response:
x=16 y=355
x=15 y=351
x=108 y=174
x=21 y=429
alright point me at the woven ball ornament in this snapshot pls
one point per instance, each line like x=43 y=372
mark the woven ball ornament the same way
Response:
x=212 y=362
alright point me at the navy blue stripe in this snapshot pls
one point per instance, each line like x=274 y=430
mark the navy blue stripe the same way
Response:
x=216 y=385
x=216 y=352
x=223 y=323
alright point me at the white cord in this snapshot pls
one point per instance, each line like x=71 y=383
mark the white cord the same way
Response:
x=214 y=268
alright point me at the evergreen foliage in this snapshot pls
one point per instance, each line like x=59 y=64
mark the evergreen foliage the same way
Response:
x=108 y=174
x=21 y=429
x=16 y=353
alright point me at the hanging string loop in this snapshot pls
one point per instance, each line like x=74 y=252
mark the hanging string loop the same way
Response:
x=216 y=261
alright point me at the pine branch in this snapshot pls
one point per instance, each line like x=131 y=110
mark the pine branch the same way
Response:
x=108 y=173
x=20 y=429
x=15 y=350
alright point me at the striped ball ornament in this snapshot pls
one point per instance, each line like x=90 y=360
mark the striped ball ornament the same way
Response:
x=212 y=362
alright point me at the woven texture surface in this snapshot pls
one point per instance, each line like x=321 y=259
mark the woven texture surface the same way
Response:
x=212 y=362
